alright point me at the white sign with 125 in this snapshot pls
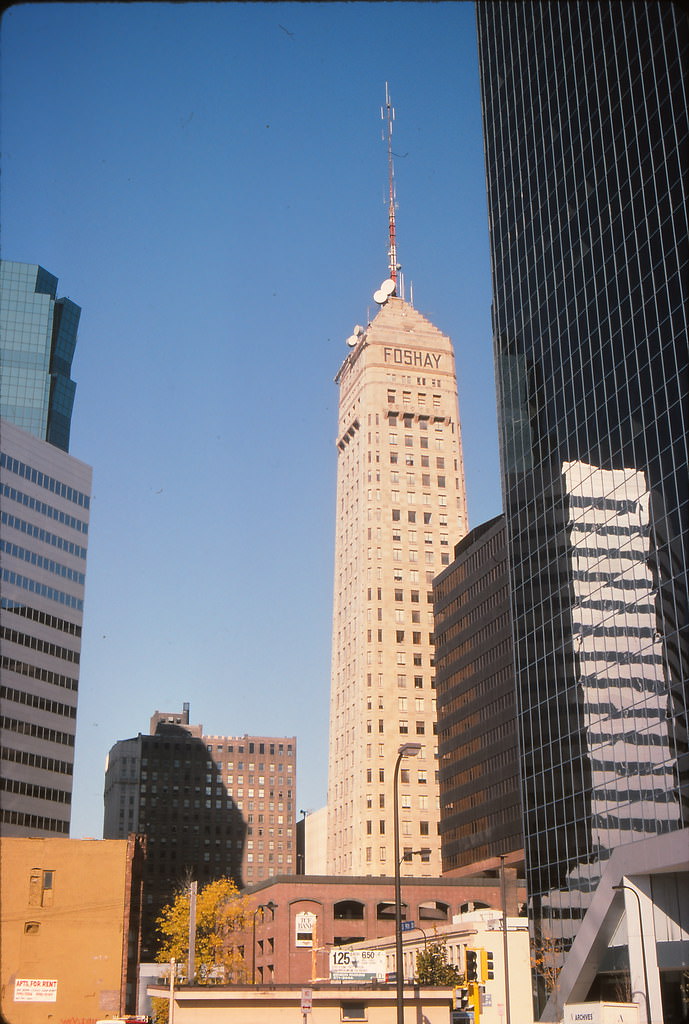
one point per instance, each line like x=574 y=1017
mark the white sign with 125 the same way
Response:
x=357 y=965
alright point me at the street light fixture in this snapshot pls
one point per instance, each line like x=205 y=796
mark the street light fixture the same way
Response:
x=262 y=907
x=406 y=750
x=619 y=887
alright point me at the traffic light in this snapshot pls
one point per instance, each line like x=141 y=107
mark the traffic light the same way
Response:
x=487 y=966
x=461 y=1000
x=475 y=1000
x=472 y=965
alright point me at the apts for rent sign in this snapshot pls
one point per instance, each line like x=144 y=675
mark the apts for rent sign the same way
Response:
x=35 y=990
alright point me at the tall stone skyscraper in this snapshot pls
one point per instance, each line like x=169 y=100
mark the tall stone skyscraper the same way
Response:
x=586 y=130
x=401 y=507
x=45 y=496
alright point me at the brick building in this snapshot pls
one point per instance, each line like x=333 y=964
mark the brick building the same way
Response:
x=308 y=915
x=70 y=928
x=210 y=807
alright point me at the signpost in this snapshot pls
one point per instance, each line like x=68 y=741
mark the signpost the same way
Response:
x=357 y=964
x=306 y=1002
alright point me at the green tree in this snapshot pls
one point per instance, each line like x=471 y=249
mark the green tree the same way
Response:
x=432 y=967
x=220 y=912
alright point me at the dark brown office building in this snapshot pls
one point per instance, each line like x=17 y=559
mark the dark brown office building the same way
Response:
x=210 y=807
x=480 y=807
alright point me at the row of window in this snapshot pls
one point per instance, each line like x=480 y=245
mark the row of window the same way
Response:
x=36 y=731
x=35 y=644
x=36 y=615
x=33 y=760
x=43 y=480
x=47 y=510
x=42 y=563
x=43 y=535
x=60 y=796
x=34 y=821
x=33 y=700
x=23 y=668
x=26 y=583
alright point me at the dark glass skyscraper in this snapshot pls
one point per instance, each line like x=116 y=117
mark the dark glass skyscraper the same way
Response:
x=585 y=124
x=39 y=334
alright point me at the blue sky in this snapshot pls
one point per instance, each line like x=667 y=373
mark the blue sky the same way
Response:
x=208 y=183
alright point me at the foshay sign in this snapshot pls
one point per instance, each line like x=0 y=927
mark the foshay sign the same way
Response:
x=408 y=357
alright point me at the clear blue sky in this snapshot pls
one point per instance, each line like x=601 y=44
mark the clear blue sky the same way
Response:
x=208 y=183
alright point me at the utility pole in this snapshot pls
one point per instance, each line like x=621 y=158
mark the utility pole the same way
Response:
x=505 y=944
x=193 y=888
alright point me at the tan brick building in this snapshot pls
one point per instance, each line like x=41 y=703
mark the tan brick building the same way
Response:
x=401 y=507
x=70 y=928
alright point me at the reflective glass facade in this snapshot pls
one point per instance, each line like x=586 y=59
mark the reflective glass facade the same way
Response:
x=38 y=333
x=585 y=125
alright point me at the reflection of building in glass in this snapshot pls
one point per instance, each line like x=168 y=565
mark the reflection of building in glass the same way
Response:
x=210 y=807
x=480 y=803
x=618 y=656
x=39 y=333
x=45 y=498
x=400 y=503
x=585 y=127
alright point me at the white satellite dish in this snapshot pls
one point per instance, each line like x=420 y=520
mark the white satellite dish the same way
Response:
x=380 y=297
x=388 y=286
x=352 y=340
x=358 y=329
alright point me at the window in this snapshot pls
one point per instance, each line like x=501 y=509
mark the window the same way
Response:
x=404 y=726
x=423 y=828
x=41 y=885
x=420 y=729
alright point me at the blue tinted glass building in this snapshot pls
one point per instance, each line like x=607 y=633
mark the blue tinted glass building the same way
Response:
x=39 y=333
x=585 y=125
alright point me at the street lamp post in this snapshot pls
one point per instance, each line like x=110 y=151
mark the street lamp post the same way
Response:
x=630 y=888
x=262 y=907
x=406 y=750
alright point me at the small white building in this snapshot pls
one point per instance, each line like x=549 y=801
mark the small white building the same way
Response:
x=480 y=930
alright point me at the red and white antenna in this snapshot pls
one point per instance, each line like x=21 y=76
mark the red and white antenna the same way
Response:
x=388 y=115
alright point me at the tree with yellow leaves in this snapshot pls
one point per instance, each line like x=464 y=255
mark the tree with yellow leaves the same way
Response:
x=220 y=912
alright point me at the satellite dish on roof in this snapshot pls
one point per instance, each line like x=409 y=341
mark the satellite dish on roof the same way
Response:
x=352 y=340
x=358 y=329
x=388 y=286
x=380 y=297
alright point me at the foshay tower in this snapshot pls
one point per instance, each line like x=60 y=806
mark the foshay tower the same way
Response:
x=401 y=506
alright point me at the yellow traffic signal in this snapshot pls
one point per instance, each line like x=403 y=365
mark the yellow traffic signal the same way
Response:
x=475 y=1000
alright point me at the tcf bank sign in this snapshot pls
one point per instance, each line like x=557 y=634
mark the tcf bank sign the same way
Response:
x=408 y=357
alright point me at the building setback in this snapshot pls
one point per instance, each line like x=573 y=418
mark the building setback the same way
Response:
x=45 y=498
x=209 y=806
x=480 y=802
x=586 y=133
x=400 y=505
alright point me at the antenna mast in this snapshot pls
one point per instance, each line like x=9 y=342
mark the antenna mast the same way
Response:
x=389 y=116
